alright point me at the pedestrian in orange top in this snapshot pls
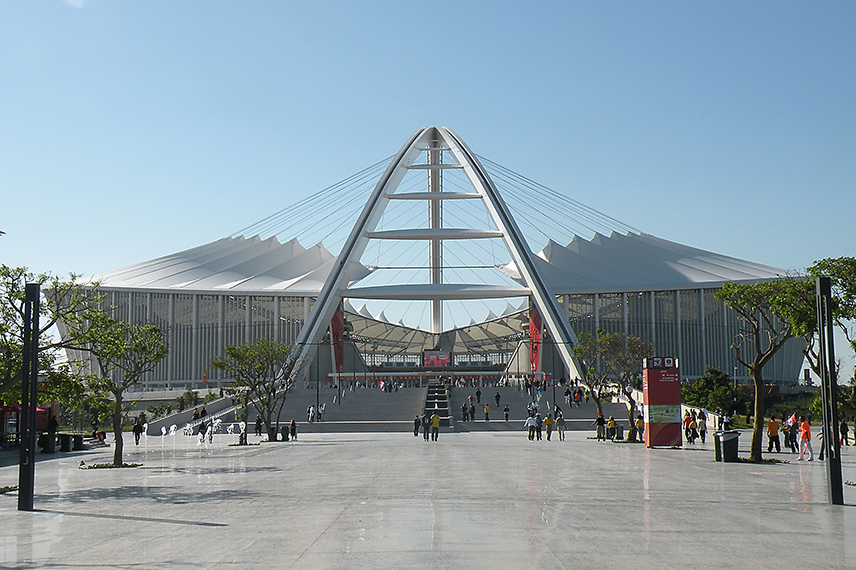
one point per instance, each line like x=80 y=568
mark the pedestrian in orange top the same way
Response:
x=805 y=440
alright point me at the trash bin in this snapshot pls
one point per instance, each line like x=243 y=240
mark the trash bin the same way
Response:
x=728 y=444
x=78 y=442
x=284 y=431
x=65 y=442
x=717 y=448
x=619 y=432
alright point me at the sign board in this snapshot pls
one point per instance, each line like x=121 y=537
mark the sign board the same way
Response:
x=661 y=397
x=436 y=358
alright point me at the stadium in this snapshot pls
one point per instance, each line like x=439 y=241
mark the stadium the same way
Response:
x=425 y=263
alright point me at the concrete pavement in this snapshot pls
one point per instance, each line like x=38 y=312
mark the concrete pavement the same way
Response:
x=390 y=500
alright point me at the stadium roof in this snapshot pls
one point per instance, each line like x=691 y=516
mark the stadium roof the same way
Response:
x=249 y=266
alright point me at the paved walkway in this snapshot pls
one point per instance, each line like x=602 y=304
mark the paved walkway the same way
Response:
x=470 y=500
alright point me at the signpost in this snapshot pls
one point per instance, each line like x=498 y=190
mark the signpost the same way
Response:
x=661 y=398
x=29 y=377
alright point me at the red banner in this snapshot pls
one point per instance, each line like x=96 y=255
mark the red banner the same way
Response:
x=337 y=329
x=534 y=338
x=661 y=396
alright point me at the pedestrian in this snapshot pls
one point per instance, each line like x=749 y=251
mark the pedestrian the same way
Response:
x=465 y=412
x=538 y=425
x=472 y=412
x=529 y=424
x=435 y=426
x=497 y=398
x=548 y=423
x=640 y=429
x=478 y=395
x=486 y=416
x=195 y=414
x=600 y=424
x=773 y=435
x=702 y=425
x=426 y=425
x=203 y=413
x=805 y=439
x=505 y=411
x=686 y=422
x=292 y=429
x=138 y=431
x=258 y=425
x=560 y=427
x=416 y=423
x=693 y=430
x=845 y=440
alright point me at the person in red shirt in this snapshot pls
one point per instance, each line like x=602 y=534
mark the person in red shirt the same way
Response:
x=805 y=440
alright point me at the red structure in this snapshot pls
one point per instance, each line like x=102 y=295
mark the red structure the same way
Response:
x=661 y=396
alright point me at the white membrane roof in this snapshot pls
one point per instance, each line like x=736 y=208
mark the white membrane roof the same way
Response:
x=232 y=265
x=638 y=262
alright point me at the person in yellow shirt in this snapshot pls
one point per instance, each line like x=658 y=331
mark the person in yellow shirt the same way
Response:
x=548 y=423
x=435 y=426
x=640 y=428
x=486 y=415
x=610 y=428
x=773 y=435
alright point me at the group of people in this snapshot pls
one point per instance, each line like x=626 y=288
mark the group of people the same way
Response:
x=695 y=425
x=536 y=425
x=576 y=396
x=315 y=413
x=795 y=428
x=428 y=424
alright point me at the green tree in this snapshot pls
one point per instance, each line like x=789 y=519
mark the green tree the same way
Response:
x=713 y=391
x=622 y=359
x=62 y=302
x=767 y=313
x=264 y=369
x=122 y=353
x=842 y=274
x=589 y=352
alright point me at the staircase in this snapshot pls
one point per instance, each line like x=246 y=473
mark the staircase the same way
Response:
x=437 y=401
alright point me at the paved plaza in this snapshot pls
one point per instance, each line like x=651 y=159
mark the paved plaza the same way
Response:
x=390 y=500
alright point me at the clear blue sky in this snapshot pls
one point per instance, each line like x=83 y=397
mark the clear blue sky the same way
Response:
x=130 y=130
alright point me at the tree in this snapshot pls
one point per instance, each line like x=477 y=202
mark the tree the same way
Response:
x=842 y=274
x=264 y=368
x=622 y=360
x=62 y=303
x=589 y=351
x=713 y=391
x=123 y=353
x=766 y=313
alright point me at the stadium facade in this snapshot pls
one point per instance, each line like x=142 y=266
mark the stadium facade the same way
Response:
x=240 y=288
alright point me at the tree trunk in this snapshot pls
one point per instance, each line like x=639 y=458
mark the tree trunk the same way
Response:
x=118 y=442
x=758 y=423
x=271 y=429
x=631 y=409
x=597 y=403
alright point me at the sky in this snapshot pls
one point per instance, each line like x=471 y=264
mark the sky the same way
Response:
x=131 y=130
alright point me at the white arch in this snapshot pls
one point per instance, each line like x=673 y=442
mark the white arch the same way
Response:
x=435 y=140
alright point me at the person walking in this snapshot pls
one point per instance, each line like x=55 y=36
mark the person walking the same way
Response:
x=465 y=412
x=426 y=425
x=539 y=423
x=416 y=425
x=601 y=427
x=773 y=435
x=506 y=411
x=498 y=397
x=640 y=429
x=548 y=424
x=478 y=395
x=805 y=440
x=472 y=413
x=435 y=426
x=702 y=425
x=138 y=431
x=292 y=429
x=486 y=415
x=845 y=440
x=560 y=427
x=258 y=425
x=529 y=424
x=610 y=428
